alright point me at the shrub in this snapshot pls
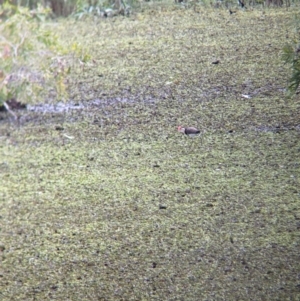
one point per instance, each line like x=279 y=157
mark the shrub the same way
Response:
x=34 y=62
x=291 y=55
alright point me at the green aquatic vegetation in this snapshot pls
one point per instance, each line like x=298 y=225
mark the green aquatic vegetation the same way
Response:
x=110 y=202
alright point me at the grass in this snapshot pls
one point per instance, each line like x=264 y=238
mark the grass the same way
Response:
x=109 y=202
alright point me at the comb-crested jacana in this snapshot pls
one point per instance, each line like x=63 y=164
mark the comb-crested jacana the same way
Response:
x=189 y=131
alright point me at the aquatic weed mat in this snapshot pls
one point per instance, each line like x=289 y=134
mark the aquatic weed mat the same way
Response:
x=109 y=202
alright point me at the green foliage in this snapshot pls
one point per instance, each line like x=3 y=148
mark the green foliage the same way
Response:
x=84 y=9
x=34 y=61
x=102 y=8
x=291 y=56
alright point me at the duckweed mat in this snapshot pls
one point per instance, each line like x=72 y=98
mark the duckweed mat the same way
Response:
x=102 y=198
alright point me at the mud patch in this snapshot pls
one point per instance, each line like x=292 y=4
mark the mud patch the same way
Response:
x=59 y=107
x=47 y=112
x=13 y=104
x=276 y=129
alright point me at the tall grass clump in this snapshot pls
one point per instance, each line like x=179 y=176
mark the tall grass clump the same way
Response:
x=35 y=63
x=291 y=56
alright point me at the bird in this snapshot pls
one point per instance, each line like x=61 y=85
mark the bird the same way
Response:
x=189 y=131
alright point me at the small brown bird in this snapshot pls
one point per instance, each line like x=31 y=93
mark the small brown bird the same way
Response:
x=190 y=131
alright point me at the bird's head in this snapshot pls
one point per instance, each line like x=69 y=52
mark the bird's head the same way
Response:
x=180 y=129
